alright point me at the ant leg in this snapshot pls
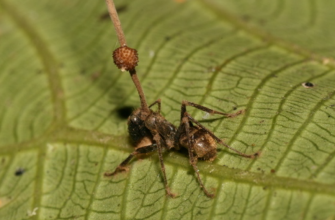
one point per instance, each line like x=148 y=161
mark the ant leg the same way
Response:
x=193 y=159
x=158 y=102
x=123 y=166
x=211 y=111
x=157 y=139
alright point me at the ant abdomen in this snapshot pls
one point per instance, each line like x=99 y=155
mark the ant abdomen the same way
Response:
x=203 y=144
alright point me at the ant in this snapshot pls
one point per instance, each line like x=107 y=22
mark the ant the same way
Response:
x=150 y=131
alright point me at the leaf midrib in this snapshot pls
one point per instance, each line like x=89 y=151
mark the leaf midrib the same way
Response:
x=214 y=170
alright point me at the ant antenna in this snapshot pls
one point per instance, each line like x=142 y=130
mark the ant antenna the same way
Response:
x=125 y=58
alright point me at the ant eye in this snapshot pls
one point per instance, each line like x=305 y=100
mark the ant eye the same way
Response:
x=125 y=58
x=133 y=118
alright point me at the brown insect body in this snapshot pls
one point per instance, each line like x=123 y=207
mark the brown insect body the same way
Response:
x=140 y=131
x=150 y=131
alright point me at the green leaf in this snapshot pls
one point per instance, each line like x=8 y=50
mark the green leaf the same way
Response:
x=63 y=107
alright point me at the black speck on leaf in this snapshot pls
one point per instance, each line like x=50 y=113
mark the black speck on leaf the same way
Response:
x=124 y=111
x=19 y=171
x=307 y=85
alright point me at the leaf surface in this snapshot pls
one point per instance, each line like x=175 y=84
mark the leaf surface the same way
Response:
x=64 y=107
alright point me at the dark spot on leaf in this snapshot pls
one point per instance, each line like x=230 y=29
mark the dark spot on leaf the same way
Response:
x=273 y=170
x=307 y=85
x=39 y=71
x=19 y=171
x=122 y=8
x=61 y=65
x=82 y=72
x=104 y=16
x=95 y=75
x=234 y=108
x=246 y=18
x=167 y=38
x=262 y=21
x=124 y=111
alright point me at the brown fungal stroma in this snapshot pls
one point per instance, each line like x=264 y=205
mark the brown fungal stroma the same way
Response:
x=125 y=58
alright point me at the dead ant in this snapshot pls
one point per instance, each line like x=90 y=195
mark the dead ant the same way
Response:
x=150 y=131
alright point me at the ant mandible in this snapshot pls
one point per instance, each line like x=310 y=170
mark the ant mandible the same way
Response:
x=150 y=131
